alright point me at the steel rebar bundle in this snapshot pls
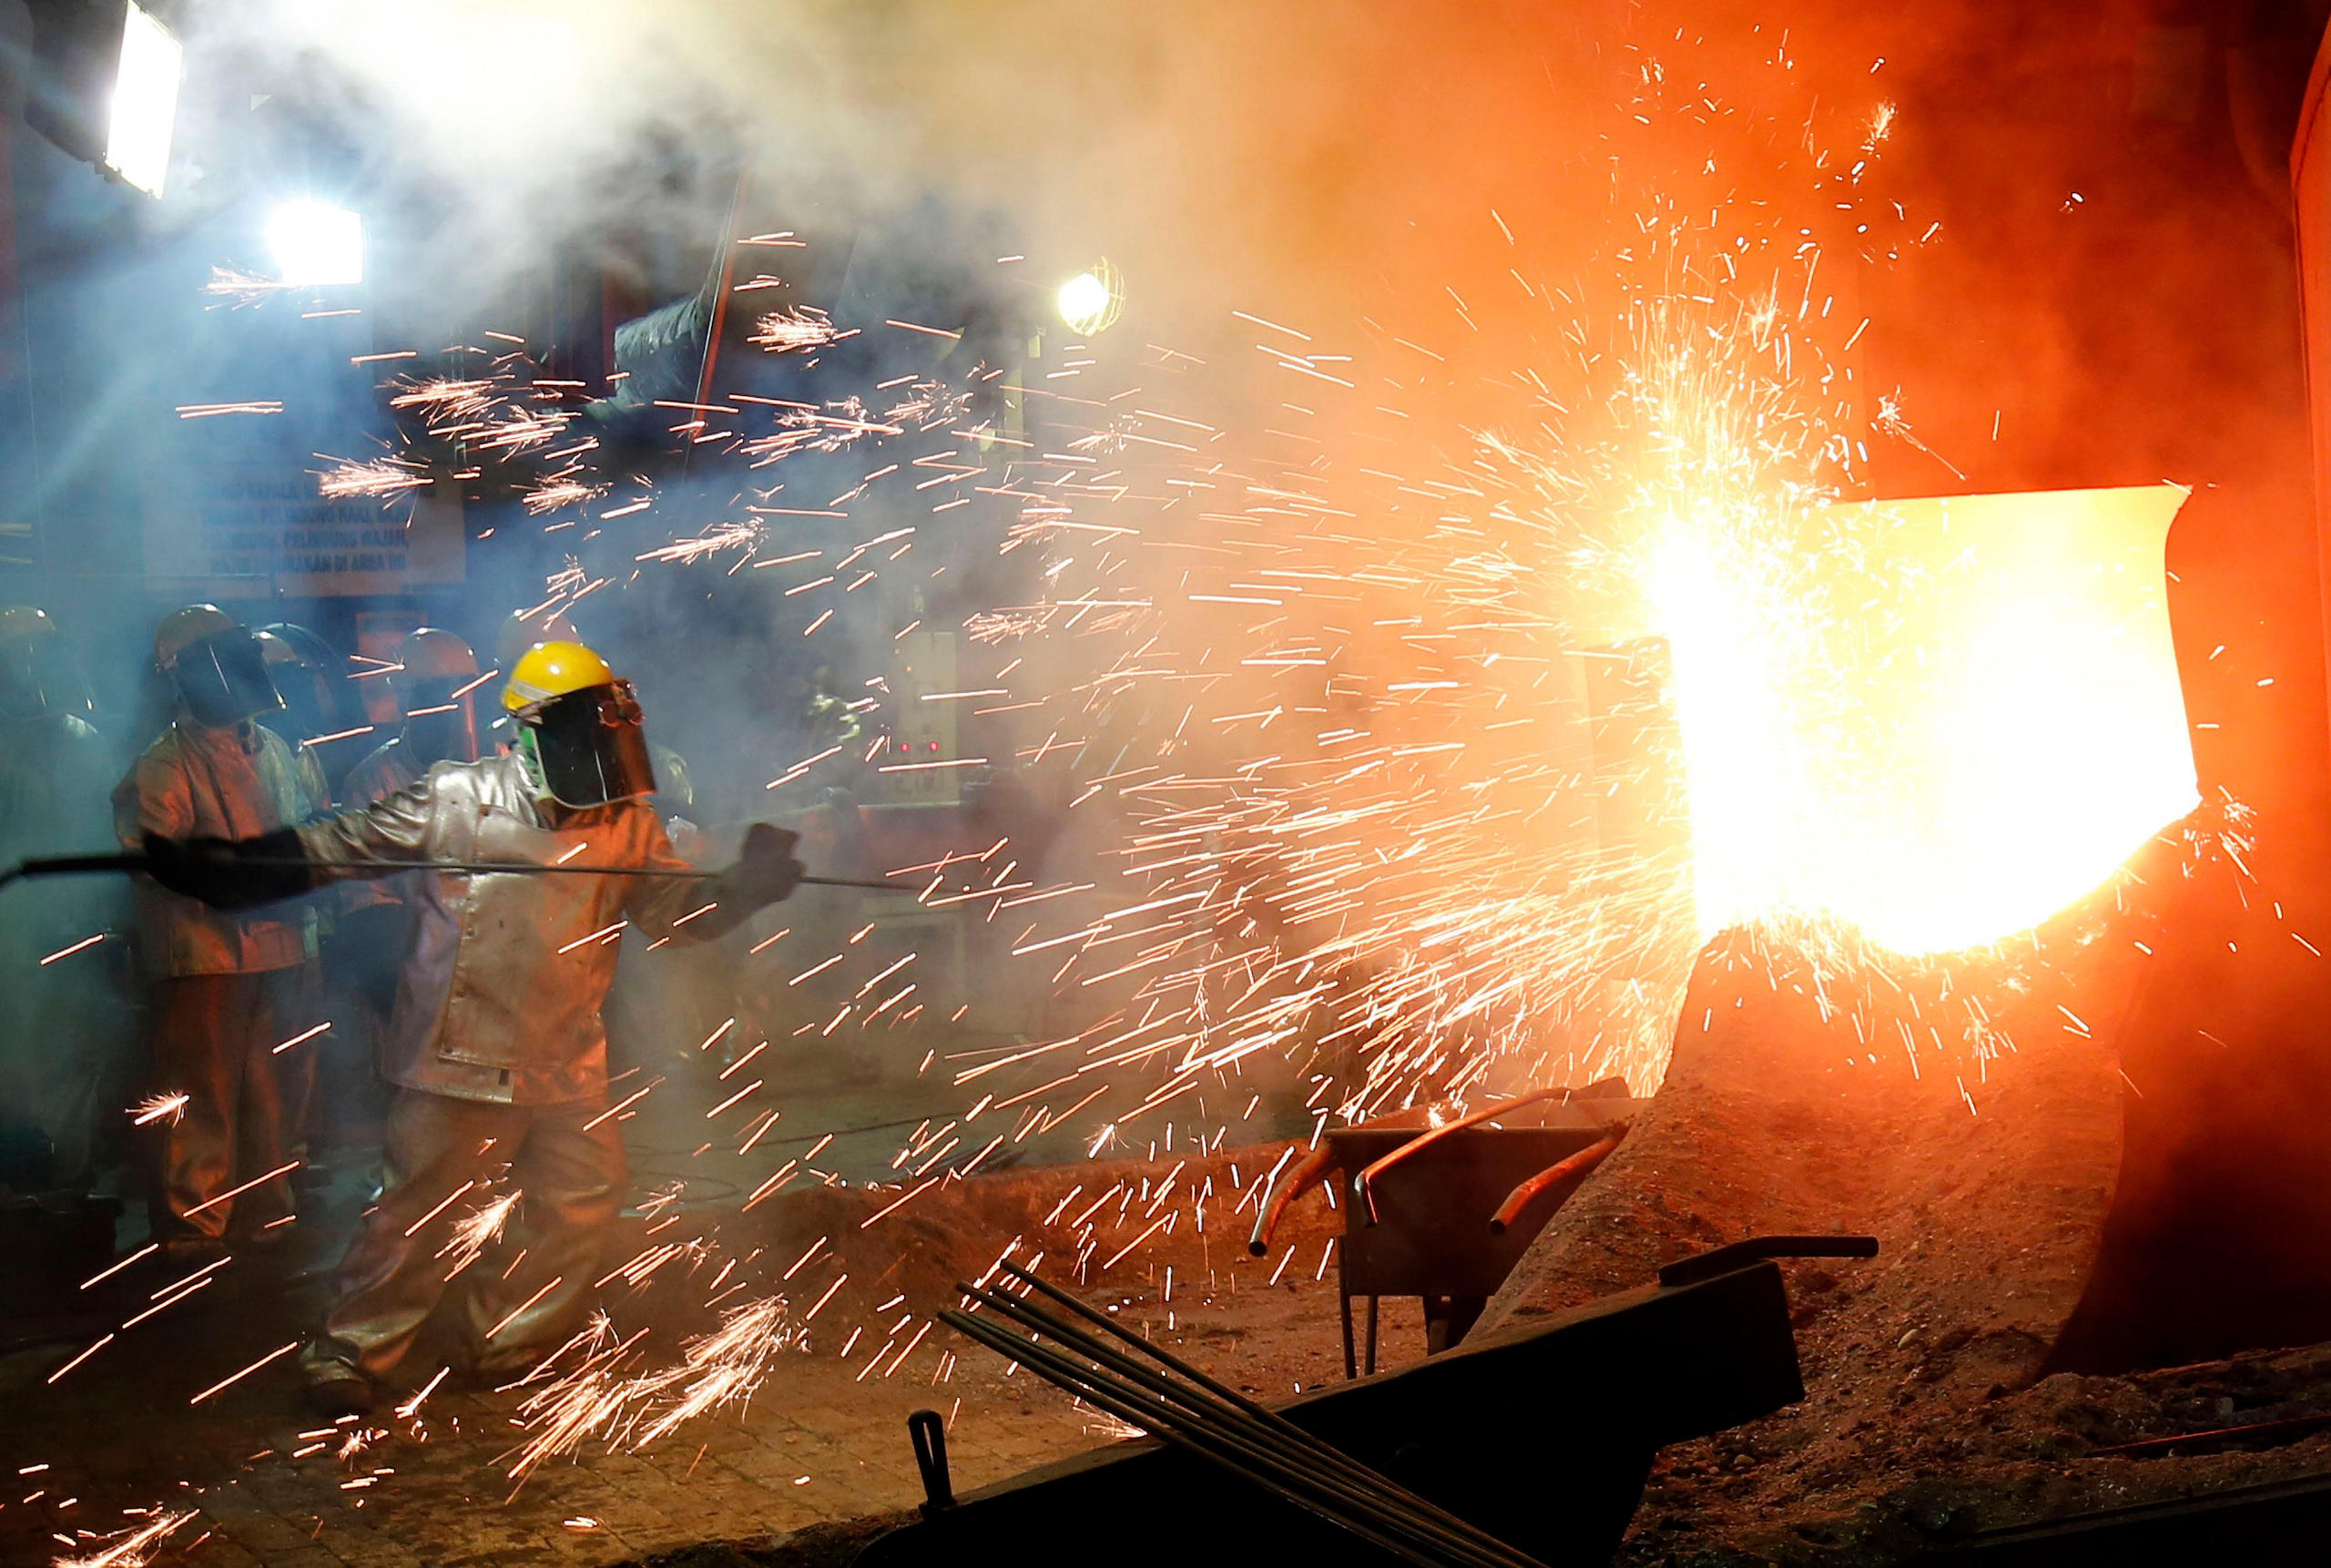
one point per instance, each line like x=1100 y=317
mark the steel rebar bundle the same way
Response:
x=1173 y=1401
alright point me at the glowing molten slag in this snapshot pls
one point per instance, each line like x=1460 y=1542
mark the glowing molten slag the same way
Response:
x=1939 y=720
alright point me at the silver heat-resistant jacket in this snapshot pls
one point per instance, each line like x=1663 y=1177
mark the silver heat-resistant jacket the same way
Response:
x=501 y=992
x=385 y=770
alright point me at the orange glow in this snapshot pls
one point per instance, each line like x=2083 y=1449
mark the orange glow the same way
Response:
x=1938 y=720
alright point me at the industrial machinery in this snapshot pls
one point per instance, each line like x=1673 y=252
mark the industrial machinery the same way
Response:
x=1529 y=1444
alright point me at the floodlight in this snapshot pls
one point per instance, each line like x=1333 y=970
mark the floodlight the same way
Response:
x=144 y=101
x=104 y=85
x=316 y=243
x=1092 y=301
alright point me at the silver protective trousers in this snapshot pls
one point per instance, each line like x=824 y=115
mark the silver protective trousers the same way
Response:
x=525 y=1291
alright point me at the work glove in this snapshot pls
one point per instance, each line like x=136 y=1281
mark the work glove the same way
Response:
x=765 y=871
x=231 y=873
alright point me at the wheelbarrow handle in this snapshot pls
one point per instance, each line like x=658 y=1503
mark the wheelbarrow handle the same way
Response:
x=1566 y=1176
x=1363 y=1185
x=1314 y=1165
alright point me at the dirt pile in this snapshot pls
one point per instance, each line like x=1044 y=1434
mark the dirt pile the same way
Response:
x=863 y=1255
x=1986 y=1190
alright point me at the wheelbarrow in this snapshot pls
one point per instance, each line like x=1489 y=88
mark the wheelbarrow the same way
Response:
x=1443 y=1209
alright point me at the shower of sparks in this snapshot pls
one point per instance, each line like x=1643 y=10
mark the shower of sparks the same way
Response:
x=473 y=1232
x=383 y=478
x=1449 y=772
x=160 y=1108
x=136 y=1549
x=596 y=1397
x=794 y=330
x=712 y=541
x=236 y=290
x=567 y=488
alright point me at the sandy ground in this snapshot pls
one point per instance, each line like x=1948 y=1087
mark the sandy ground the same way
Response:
x=823 y=1440
x=1931 y=1413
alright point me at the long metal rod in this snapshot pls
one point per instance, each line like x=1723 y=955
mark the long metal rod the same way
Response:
x=1102 y=1320
x=1105 y=1396
x=1324 y=1466
x=72 y=865
x=1211 y=1400
x=1327 y=1497
x=1372 y=1496
x=1263 y=1426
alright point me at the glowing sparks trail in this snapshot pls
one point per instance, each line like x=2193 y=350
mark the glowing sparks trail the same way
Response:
x=476 y=1230
x=796 y=331
x=136 y=1549
x=721 y=536
x=381 y=478
x=227 y=1382
x=594 y=1396
x=158 y=1109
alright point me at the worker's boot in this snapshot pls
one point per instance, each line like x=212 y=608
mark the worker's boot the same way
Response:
x=335 y=1385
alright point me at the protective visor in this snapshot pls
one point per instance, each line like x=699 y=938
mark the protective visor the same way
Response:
x=592 y=746
x=224 y=679
x=441 y=718
x=40 y=675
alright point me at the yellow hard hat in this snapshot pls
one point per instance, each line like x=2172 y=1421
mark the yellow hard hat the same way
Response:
x=553 y=669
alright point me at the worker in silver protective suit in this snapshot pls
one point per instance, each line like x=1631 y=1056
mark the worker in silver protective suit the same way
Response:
x=495 y=1042
x=61 y=1048
x=435 y=684
x=667 y=997
x=227 y=988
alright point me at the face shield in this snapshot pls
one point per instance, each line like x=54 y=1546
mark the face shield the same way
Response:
x=441 y=718
x=39 y=677
x=311 y=680
x=589 y=745
x=223 y=679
